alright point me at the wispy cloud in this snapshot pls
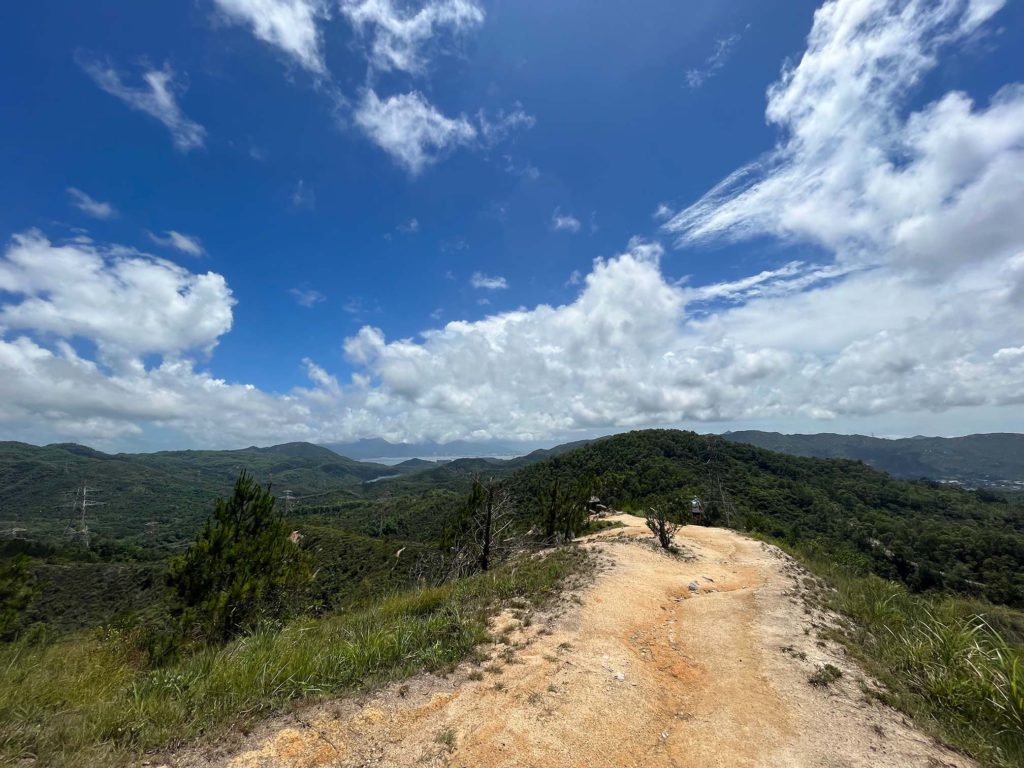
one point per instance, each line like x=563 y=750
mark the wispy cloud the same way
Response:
x=179 y=241
x=724 y=46
x=93 y=207
x=480 y=280
x=400 y=36
x=662 y=213
x=156 y=97
x=303 y=195
x=501 y=126
x=307 y=297
x=564 y=222
x=410 y=129
x=289 y=25
x=409 y=227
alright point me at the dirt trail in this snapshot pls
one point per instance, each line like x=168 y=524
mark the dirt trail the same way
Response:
x=638 y=669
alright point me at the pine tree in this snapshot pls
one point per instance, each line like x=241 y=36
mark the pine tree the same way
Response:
x=242 y=568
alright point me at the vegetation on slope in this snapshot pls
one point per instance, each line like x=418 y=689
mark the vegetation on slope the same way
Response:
x=91 y=700
x=919 y=569
x=955 y=664
x=981 y=460
x=927 y=536
x=154 y=500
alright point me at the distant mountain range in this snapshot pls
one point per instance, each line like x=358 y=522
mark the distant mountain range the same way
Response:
x=992 y=460
x=379 y=448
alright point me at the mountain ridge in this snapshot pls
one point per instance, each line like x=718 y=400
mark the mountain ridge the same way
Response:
x=984 y=459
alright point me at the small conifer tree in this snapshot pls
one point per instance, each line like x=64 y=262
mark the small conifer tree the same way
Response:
x=242 y=568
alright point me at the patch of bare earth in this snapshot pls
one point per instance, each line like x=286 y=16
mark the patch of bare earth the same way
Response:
x=701 y=660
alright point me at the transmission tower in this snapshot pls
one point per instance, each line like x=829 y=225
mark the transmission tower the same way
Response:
x=717 y=491
x=78 y=525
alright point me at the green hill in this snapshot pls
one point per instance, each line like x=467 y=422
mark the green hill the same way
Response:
x=993 y=460
x=924 y=534
x=155 y=499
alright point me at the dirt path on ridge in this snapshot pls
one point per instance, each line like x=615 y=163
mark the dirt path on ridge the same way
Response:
x=636 y=669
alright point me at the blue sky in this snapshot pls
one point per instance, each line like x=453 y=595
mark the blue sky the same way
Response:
x=238 y=221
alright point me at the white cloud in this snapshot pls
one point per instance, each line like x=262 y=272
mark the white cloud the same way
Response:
x=480 y=280
x=289 y=25
x=409 y=227
x=303 y=195
x=724 y=46
x=400 y=36
x=662 y=213
x=494 y=131
x=93 y=207
x=124 y=301
x=564 y=222
x=628 y=351
x=179 y=241
x=307 y=297
x=853 y=173
x=156 y=97
x=410 y=129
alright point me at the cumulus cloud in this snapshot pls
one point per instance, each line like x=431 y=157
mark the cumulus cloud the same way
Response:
x=410 y=129
x=157 y=97
x=480 y=280
x=564 y=222
x=179 y=241
x=93 y=207
x=400 y=36
x=289 y=25
x=122 y=300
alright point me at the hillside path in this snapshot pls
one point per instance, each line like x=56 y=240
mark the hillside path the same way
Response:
x=637 y=668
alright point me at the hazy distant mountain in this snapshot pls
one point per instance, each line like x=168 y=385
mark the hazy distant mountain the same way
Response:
x=378 y=448
x=986 y=460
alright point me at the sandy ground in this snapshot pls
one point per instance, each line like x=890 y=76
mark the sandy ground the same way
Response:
x=635 y=669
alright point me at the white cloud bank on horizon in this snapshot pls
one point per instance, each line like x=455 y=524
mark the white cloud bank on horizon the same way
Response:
x=920 y=311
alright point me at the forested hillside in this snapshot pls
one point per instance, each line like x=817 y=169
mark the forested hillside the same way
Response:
x=976 y=460
x=153 y=499
x=924 y=534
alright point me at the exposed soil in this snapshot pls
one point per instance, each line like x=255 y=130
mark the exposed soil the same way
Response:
x=702 y=659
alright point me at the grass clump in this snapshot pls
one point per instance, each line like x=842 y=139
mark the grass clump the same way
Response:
x=91 y=700
x=446 y=739
x=825 y=676
x=953 y=663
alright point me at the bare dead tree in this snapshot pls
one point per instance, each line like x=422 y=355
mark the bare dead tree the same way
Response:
x=661 y=526
x=481 y=536
x=489 y=526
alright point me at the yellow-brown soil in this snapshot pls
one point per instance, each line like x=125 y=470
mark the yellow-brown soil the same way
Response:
x=637 y=669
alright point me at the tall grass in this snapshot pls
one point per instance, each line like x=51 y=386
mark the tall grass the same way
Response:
x=953 y=663
x=89 y=701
